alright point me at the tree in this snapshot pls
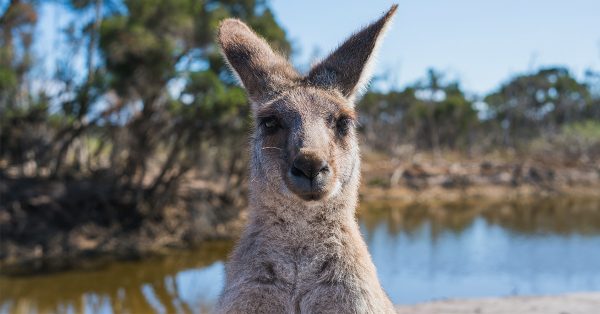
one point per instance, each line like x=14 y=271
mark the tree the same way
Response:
x=431 y=114
x=156 y=102
x=538 y=102
x=383 y=118
x=16 y=38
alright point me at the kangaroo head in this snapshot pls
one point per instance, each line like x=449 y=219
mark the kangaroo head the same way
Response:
x=304 y=145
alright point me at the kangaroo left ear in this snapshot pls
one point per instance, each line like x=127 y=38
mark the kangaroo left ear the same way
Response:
x=263 y=72
x=347 y=68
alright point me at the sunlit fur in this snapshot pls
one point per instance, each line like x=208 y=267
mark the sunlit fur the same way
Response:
x=298 y=255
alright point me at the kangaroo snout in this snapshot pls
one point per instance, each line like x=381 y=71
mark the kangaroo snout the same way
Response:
x=309 y=175
x=309 y=166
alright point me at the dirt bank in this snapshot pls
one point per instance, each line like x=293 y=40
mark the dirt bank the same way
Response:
x=577 y=303
x=430 y=180
x=48 y=225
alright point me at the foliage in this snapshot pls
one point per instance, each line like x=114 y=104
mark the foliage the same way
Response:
x=429 y=114
x=156 y=102
x=433 y=114
x=530 y=104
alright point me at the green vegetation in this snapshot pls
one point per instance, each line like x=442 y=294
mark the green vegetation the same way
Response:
x=437 y=115
x=123 y=119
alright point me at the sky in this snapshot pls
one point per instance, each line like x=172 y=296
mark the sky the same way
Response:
x=482 y=43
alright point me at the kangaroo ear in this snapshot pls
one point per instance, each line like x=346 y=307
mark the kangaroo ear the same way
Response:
x=347 y=68
x=262 y=72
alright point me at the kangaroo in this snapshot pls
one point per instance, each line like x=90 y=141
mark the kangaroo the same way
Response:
x=301 y=251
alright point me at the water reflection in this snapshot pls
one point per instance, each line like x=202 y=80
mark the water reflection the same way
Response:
x=184 y=282
x=421 y=252
x=426 y=253
x=560 y=216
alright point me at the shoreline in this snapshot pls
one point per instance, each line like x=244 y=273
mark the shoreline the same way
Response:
x=572 y=303
x=426 y=180
x=487 y=193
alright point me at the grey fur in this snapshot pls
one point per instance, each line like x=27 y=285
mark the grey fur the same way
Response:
x=298 y=255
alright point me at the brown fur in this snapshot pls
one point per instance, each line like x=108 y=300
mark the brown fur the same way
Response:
x=302 y=251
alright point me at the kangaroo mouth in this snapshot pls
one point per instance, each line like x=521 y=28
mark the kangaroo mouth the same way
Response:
x=308 y=189
x=311 y=196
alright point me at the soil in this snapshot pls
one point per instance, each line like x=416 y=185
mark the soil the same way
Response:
x=425 y=180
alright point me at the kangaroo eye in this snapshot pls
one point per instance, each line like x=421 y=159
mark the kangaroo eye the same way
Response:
x=343 y=125
x=271 y=124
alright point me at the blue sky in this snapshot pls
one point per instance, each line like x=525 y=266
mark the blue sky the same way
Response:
x=480 y=42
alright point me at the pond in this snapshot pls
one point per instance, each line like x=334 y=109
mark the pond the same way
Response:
x=422 y=253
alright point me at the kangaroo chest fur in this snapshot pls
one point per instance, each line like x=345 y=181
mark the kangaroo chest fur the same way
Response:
x=300 y=261
x=296 y=255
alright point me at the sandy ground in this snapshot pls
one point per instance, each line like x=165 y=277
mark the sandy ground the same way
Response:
x=578 y=303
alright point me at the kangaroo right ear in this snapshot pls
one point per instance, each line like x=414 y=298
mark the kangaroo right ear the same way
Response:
x=263 y=73
x=347 y=68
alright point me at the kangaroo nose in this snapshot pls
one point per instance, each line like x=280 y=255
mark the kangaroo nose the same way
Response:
x=309 y=166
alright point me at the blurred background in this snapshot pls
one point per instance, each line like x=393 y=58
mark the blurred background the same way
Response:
x=123 y=148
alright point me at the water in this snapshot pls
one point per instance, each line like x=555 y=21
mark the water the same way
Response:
x=422 y=253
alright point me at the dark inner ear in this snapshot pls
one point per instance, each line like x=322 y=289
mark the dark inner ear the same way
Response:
x=344 y=69
x=263 y=72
